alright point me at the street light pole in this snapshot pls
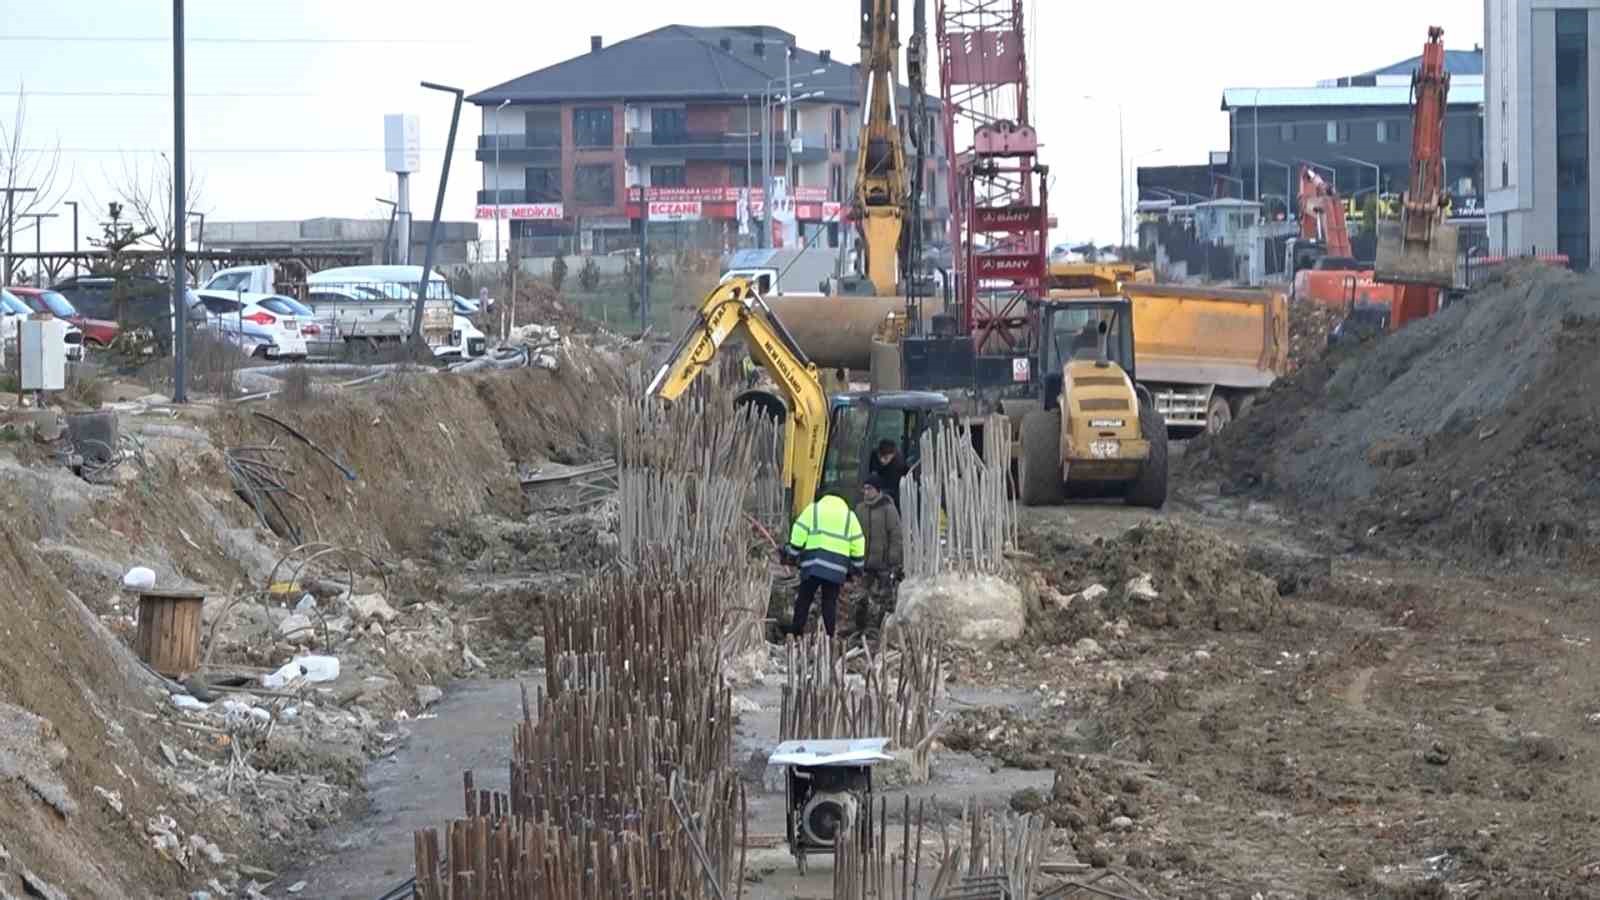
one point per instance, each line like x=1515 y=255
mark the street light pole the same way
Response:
x=74 y=205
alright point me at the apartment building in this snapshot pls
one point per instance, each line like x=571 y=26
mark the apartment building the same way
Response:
x=669 y=126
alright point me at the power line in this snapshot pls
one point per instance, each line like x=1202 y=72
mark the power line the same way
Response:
x=125 y=39
x=191 y=151
x=164 y=95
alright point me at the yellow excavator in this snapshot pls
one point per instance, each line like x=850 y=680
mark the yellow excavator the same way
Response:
x=827 y=442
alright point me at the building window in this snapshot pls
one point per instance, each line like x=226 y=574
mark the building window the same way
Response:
x=1338 y=132
x=544 y=184
x=594 y=185
x=1286 y=133
x=543 y=127
x=836 y=183
x=1383 y=131
x=1572 y=136
x=591 y=126
x=666 y=176
x=838 y=128
x=669 y=125
x=738 y=175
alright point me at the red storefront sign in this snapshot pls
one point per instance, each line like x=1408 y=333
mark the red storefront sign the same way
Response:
x=1007 y=218
x=723 y=194
x=541 y=211
x=1012 y=266
x=676 y=210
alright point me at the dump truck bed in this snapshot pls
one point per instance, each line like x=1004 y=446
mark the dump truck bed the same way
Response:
x=1223 y=337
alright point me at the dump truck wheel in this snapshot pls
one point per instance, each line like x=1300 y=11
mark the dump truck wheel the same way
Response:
x=1039 y=473
x=1218 y=413
x=1150 y=488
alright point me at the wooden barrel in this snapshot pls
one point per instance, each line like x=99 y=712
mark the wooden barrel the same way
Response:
x=169 y=630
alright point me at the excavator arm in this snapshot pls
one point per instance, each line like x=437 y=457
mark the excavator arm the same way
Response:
x=1420 y=249
x=1322 y=215
x=881 y=192
x=734 y=309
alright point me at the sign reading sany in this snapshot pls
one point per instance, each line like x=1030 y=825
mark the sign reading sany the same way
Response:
x=542 y=211
x=675 y=210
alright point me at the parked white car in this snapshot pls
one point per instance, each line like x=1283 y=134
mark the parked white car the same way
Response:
x=256 y=324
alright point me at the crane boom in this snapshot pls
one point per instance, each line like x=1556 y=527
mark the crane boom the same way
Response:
x=881 y=183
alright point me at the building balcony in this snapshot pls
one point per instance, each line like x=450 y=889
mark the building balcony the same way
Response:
x=519 y=148
x=510 y=196
x=721 y=146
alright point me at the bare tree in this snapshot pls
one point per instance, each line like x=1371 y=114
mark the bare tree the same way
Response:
x=146 y=192
x=29 y=176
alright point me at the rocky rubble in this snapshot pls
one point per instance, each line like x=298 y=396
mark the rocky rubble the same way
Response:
x=1155 y=575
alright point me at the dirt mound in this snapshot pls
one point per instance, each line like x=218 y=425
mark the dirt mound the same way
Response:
x=430 y=450
x=1164 y=575
x=1473 y=430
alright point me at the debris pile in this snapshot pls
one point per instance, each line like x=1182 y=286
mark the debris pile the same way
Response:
x=1310 y=324
x=1472 y=432
x=1158 y=575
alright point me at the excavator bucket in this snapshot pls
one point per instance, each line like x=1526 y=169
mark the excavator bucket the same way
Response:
x=1432 y=263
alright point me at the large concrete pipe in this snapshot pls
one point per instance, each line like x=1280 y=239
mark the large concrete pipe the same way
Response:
x=836 y=332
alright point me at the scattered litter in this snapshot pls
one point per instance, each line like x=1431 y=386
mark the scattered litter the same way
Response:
x=372 y=606
x=139 y=578
x=1142 y=587
x=297 y=887
x=314 y=669
x=188 y=703
x=112 y=798
x=307 y=604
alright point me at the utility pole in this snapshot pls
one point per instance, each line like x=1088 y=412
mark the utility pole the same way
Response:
x=180 y=206
x=10 y=223
x=74 y=205
x=38 y=251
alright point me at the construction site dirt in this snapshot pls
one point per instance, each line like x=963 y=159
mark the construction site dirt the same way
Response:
x=1352 y=657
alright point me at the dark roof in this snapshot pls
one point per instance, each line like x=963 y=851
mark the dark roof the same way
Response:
x=681 y=62
x=1456 y=62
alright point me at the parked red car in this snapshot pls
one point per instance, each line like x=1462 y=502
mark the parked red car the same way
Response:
x=96 y=332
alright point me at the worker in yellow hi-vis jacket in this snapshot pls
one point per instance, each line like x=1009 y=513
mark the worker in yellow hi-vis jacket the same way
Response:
x=827 y=541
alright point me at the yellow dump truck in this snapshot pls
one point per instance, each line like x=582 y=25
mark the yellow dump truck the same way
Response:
x=1204 y=353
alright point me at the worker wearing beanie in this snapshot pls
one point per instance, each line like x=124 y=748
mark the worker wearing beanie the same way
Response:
x=880 y=520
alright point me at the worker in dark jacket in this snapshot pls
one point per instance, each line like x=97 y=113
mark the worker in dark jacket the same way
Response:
x=889 y=467
x=827 y=541
x=881 y=523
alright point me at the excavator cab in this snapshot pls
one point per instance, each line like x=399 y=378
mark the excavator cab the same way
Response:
x=858 y=422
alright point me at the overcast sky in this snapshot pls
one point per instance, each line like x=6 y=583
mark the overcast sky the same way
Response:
x=286 y=98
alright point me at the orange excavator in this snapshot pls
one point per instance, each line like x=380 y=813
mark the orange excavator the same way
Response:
x=1417 y=253
x=1325 y=268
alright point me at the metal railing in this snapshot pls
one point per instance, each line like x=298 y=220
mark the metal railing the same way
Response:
x=536 y=141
